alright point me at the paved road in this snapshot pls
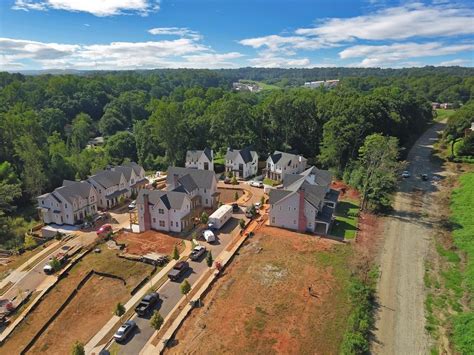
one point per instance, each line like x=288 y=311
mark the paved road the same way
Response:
x=400 y=323
x=170 y=293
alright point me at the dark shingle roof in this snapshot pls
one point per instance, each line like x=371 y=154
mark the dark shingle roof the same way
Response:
x=245 y=153
x=276 y=195
x=137 y=168
x=125 y=170
x=283 y=158
x=202 y=178
x=72 y=190
x=171 y=199
x=194 y=155
x=107 y=178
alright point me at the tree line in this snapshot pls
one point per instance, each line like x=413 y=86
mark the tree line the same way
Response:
x=153 y=117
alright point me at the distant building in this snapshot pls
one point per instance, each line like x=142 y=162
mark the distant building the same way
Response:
x=324 y=83
x=306 y=202
x=281 y=163
x=200 y=159
x=435 y=105
x=95 y=142
x=242 y=163
x=250 y=87
x=446 y=105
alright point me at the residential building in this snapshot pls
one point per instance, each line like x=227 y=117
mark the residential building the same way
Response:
x=110 y=186
x=324 y=83
x=164 y=210
x=242 y=163
x=306 y=202
x=281 y=163
x=200 y=159
x=68 y=204
x=249 y=87
x=200 y=185
x=134 y=175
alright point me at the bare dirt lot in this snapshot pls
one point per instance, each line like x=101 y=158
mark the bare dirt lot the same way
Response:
x=263 y=303
x=228 y=195
x=83 y=317
x=147 y=242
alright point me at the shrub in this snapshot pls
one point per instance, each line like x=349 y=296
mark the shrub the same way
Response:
x=156 y=320
x=78 y=349
x=175 y=253
x=234 y=181
x=29 y=242
x=185 y=287
x=242 y=224
x=236 y=196
x=55 y=264
x=204 y=218
x=119 y=309
x=209 y=259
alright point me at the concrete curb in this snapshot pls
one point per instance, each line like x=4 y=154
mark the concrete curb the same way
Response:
x=224 y=259
x=98 y=342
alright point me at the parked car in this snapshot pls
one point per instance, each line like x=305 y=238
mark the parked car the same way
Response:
x=209 y=236
x=255 y=183
x=235 y=207
x=257 y=205
x=147 y=303
x=211 y=226
x=104 y=230
x=424 y=177
x=406 y=174
x=178 y=270
x=132 y=205
x=197 y=252
x=227 y=180
x=124 y=331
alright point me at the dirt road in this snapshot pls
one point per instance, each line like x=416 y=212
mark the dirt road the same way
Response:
x=400 y=318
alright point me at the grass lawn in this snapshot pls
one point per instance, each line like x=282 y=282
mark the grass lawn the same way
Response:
x=263 y=85
x=461 y=282
x=441 y=114
x=270 y=182
x=345 y=225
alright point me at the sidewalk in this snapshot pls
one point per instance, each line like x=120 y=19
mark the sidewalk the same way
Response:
x=96 y=343
x=17 y=274
x=224 y=257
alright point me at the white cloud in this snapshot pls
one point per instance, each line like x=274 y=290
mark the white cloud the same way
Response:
x=94 y=7
x=412 y=20
x=182 y=52
x=176 y=31
x=387 y=55
x=454 y=62
x=269 y=61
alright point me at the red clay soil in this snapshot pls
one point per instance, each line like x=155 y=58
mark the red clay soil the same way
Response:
x=263 y=304
x=147 y=242
x=347 y=192
x=228 y=195
x=369 y=237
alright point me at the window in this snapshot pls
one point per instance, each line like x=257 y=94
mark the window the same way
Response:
x=161 y=211
x=273 y=220
x=42 y=202
x=206 y=201
x=67 y=216
x=65 y=205
x=154 y=220
x=162 y=223
x=294 y=221
x=204 y=190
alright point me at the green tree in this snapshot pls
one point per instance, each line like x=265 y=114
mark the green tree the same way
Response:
x=55 y=263
x=156 y=320
x=236 y=196
x=175 y=253
x=209 y=259
x=121 y=146
x=80 y=131
x=111 y=122
x=119 y=309
x=204 y=217
x=377 y=170
x=242 y=224
x=262 y=200
x=78 y=349
x=185 y=287
x=29 y=242
x=234 y=181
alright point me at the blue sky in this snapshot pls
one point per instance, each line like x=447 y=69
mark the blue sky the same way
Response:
x=138 y=34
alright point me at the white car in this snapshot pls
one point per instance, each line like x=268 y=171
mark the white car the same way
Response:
x=406 y=174
x=258 y=205
x=256 y=184
x=132 y=205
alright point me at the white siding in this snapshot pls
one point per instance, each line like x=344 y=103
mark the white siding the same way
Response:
x=285 y=213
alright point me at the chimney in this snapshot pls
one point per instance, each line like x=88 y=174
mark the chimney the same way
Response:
x=146 y=211
x=301 y=216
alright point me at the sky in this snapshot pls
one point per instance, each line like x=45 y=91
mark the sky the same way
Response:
x=146 y=34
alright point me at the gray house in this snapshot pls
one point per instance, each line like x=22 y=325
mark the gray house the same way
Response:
x=281 y=163
x=200 y=159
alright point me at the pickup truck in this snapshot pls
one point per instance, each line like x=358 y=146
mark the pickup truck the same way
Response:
x=147 y=303
x=178 y=270
x=197 y=252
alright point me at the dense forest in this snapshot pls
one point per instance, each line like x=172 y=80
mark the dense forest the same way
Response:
x=154 y=116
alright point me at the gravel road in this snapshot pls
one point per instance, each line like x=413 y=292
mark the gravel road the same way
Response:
x=400 y=318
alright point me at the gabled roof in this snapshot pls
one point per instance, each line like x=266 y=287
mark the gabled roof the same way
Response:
x=187 y=183
x=321 y=177
x=171 y=199
x=194 y=155
x=247 y=154
x=276 y=195
x=107 y=178
x=125 y=170
x=137 y=168
x=202 y=178
x=72 y=190
x=285 y=158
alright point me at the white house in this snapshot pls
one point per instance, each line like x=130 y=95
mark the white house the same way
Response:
x=200 y=185
x=68 y=204
x=242 y=163
x=110 y=186
x=164 y=210
x=305 y=203
x=200 y=159
x=134 y=174
x=280 y=163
